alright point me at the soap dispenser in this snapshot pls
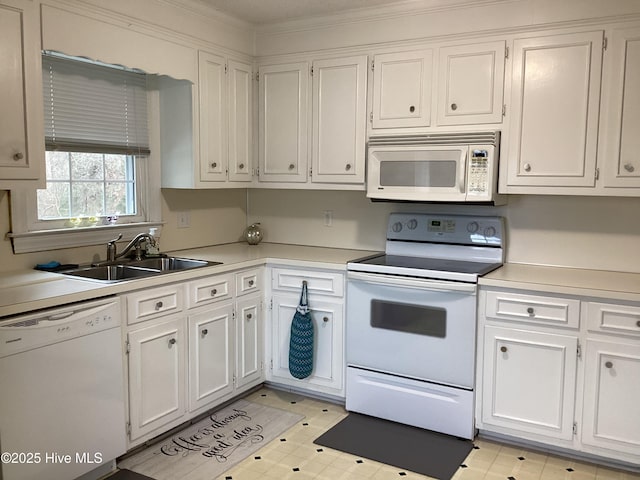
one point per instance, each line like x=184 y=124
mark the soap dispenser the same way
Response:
x=153 y=248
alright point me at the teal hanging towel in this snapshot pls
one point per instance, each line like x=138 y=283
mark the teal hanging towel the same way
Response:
x=301 y=342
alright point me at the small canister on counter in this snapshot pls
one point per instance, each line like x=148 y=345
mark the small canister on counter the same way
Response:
x=253 y=234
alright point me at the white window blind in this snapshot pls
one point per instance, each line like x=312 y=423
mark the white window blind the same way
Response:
x=94 y=108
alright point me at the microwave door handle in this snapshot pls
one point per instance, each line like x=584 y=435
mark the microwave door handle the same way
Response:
x=462 y=174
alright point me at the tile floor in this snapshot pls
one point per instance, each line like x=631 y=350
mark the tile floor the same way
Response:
x=294 y=455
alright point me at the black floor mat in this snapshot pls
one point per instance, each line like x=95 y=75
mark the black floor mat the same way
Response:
x=125 y=474
x=410 y=448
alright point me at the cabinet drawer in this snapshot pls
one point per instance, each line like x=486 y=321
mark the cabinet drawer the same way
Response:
x=323 y=283
x=153 y=303
x=210 y=289
x=612 y=318
x=546 y=310
x=248 y=281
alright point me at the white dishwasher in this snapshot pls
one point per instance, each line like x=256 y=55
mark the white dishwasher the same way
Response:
x=61 y=400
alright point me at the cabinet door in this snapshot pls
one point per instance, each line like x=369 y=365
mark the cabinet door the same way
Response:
x=402 y=84
x=339 y=119
x=240 y=121
x=210 y=355
x=213 y=117
x=470 y=84
x=157 y=359
x=19 y=87
x=621 y=110
x=328 y=370
x=529 y=381
x=249 y=341
x=283 y=122
x=554 y=110
x=611 y=416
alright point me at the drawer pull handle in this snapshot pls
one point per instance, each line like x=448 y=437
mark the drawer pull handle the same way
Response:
x=347 y=167
x=412 y=108
x=638 y=323
x=503 y=349
x=527 y=167
x=325 y=319
x=249 y=316
x=608 y=364
x=204 y=332
x=629 y=168
x=291 y=166
x=214 y=165
x=251 y=282
x=241 y=166
x=159 y=305
x=172 y=341
x=454 y=106
x=214 y=292
x=18 y=156
x=531 y=312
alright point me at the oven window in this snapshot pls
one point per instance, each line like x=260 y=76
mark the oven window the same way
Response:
x=401 y=317
x=420 y=173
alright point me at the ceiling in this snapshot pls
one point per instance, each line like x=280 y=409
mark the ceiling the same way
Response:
x=273 y=11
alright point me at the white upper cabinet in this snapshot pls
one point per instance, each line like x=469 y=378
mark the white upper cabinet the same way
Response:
x=621 y=110
x=553 y=128
x=213 y=125
x=283 y=122
x=402 y=85
x=21 y=132
x=339 y=120
x=470 y=84
x=240 y=121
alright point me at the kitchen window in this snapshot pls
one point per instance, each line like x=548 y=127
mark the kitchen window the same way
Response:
x=97 y=155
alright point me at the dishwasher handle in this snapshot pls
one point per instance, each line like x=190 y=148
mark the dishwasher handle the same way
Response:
x=420 y=283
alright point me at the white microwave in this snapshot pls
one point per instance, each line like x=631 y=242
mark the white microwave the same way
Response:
x=460 y=168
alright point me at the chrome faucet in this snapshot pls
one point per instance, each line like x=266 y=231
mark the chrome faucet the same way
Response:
x=112 y=254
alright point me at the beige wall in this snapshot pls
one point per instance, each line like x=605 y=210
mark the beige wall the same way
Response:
x=582 y=232
x=217 y=216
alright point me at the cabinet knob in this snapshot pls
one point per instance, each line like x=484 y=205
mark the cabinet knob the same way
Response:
x=241 y=166
x=292 y=166
x=251 y=282
x=454 y=106
x=629 y=168
x=204 y=332
x=527 y=167
x=608 y=364
x=172 y=341
x=503 y=349
x=412 y=108
x=531 y=312
x=18 y=156
x=325 y=319
x=214 y=292
x=249 y=316
x=638 y=323
x=159 y=305
x=347 y=167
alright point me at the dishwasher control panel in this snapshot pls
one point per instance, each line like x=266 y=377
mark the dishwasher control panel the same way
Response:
x=24 y=332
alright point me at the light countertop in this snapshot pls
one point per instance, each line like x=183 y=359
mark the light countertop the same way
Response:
x=27 y=290
x=566 y=281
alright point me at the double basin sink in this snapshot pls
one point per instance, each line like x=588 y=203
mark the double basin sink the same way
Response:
x=131 y=269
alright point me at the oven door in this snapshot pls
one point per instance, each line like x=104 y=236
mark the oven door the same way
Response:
x=420 y=173
x=416 y=328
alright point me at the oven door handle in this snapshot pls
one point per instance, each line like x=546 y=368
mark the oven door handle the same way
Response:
x=425 y=284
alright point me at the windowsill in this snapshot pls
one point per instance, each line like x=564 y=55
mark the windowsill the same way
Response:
x=43 y=240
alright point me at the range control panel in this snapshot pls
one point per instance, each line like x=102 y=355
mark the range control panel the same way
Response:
x=450 y=229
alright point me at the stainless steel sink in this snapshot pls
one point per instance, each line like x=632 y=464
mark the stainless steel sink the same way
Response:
x=171 y=263
x=130 y=269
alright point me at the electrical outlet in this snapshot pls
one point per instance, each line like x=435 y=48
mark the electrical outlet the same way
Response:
x=328 y=218
x=184 y=219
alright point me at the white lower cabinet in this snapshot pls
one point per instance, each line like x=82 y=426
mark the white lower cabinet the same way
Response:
x=157 y=380
x=210 y=355
x=529 y=381
x=611 y=417
x=186 y=357
x=326 y=301
x=567 y=380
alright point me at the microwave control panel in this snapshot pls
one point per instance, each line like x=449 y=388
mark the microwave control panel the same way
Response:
x=478 y=182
